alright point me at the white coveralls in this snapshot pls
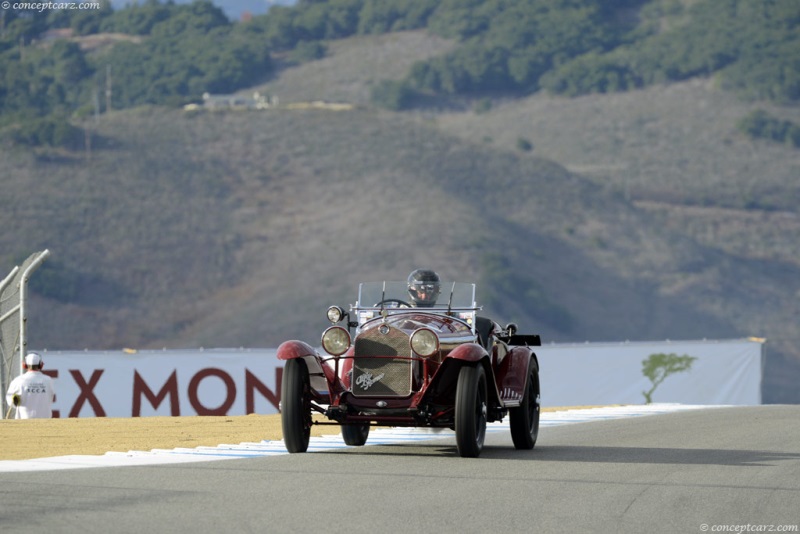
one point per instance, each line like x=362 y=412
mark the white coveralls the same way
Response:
x=36 y=393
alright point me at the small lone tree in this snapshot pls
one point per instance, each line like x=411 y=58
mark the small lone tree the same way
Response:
x=657 y=367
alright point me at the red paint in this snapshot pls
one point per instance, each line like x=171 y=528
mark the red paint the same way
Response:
x=170 y=388
x=87 y=393
x=252 y=383
x=230 y=389
x=469 y=352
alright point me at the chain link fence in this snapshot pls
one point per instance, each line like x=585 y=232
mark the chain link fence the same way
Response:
x=13 y=290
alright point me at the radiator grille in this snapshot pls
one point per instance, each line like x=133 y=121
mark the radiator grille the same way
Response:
x=389 y=375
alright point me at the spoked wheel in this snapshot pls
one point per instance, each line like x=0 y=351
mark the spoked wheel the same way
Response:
x=471 y=411
x=355 y=435
x=524 y=420
x=296 y=406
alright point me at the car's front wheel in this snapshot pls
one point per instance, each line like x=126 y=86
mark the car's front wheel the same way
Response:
x=296 y=406
x=355 y=435
x=524 y=421
x=471 y=411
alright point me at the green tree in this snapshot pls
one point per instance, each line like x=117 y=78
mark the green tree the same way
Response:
x=308 y=51
x=53 y=131
x=590 y=73
x=761 y=125
x=383 y=16
x=390 y=94
x=508 y=45
x=138 y=19
x=657 y=367
x=462 y=18
x=89 y=21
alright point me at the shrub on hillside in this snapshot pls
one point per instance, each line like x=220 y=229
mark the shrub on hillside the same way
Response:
x=393 y=95
x=52 y=131
x=761 y=125
x=590 y=73
x=308 y=51
x=524 y=144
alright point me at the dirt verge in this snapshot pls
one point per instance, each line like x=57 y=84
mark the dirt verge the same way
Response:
x=44 y=438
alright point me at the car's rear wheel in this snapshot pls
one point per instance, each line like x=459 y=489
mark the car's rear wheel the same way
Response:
x=524 y=421
x=355 y=435
x=296 y=406
x=471 y=411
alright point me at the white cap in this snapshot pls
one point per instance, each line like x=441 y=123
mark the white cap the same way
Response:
x=33 y=360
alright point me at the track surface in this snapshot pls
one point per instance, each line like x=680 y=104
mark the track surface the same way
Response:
x=677 y=472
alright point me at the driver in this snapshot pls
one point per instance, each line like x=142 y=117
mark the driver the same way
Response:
x=423 y=287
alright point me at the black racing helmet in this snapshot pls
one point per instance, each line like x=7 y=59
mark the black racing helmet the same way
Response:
x=424 y=287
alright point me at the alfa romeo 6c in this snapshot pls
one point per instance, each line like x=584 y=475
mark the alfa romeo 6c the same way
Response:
x=412 y=354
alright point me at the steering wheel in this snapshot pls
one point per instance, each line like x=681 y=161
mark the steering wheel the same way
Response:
x=400 y=303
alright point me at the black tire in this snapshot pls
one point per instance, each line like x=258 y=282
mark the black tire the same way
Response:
x=295 y=406
x=355 y=435
x=524 y=421
x=471 y=411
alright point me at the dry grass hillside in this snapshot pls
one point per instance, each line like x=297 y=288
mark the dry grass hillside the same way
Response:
x=635 y=216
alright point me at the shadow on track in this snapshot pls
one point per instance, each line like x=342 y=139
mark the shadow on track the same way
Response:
x=567 y=453
x=659 y=455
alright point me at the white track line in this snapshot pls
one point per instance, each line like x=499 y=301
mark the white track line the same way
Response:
x=378 y=436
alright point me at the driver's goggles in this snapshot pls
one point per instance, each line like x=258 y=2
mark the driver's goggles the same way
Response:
x=425 y=287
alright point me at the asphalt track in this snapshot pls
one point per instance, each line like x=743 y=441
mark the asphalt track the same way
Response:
x=732 y=469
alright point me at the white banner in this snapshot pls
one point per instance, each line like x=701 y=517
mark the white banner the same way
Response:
x=724 y=372
x=239 y=382
x=169 y=382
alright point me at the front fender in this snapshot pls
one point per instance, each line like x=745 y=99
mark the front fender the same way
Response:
x=444 y=382
x=323 y=377
x=289 y=350
x=469 y=352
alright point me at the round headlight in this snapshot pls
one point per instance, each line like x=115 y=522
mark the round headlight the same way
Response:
x=335 y=314
x=335 y=340
x=424 y=342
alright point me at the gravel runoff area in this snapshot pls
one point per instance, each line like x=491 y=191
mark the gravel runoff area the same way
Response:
x=45 y=438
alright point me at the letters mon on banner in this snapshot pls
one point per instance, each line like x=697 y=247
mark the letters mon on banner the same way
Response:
x=169 y=382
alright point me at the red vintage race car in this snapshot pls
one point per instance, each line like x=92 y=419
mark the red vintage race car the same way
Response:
x=395 y=359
